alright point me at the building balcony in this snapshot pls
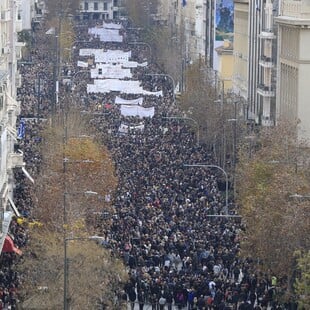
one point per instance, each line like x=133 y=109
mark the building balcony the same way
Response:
x=265 y=91
x=16 y=160
x=268 y=35
x=266 y=62
x=297 y=9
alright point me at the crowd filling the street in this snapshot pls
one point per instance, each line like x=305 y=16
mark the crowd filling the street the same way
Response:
x=170 y=225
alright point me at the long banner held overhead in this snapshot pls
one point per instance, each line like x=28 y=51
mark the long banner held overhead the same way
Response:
x=136 y=110
x=119 y=100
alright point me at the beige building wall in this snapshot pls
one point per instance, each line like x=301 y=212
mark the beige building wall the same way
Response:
x=226 y=63
x=9 y=108
x=293 y=89
x=240 y=54
x=187 y=26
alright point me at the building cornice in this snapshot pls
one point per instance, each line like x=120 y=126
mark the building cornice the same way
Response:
x=293 y=21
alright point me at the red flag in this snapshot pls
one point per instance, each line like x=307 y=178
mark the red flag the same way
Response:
x=10 y=247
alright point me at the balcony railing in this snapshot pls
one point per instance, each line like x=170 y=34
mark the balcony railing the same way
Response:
x=268 y=34
x=16 y=160
x=265 y=91
x=293 y=8
x=266 y=62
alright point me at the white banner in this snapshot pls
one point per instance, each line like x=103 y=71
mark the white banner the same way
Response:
x=123 y=86
x=134 y=64
x=125 y=128
x=82 y=64
x=106 y=35
x=109 y=71
x=111 y=25
x=112 y=56
x=89 y=51
x=119 y=100
x=136 y=110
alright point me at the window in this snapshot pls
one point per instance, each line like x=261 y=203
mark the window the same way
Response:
x=95 y=6
x=100 y=71
x=86 y=6
x=105 y=6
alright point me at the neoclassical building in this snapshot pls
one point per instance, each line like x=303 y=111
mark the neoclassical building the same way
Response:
x=293 y=89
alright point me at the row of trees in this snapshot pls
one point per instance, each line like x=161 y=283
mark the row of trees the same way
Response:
x=273 y=187
x=71 y=201
x=73 y=187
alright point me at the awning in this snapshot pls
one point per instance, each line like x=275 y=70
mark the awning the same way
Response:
x=27 y=174
x=10 y=247
x=13 y=206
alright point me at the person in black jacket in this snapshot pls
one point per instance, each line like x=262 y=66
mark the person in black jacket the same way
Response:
x=132 y=297
x=141 y=299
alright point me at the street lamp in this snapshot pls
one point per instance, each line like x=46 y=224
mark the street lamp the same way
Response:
x=299 y=196
x=226 y=181
x=189 y=119
x=66 y=265
x=143 y=43
x=65 y=194
x=165 y=75
x=234 y=120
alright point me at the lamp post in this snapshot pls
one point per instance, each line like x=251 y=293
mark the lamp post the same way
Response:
x=65 y=194
x=226 y=181
x=189 y=119
x=66 y=265
x=165 y=75
x=234 y=120
x=299 y=196
x=143 y=43
x=68 y=239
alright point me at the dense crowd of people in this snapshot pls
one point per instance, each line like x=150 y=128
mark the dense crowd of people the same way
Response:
x=178 y=254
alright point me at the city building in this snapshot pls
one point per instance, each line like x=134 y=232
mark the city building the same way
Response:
x=294 y=65
x=10 y=52
x=198 y=28
x=100 y=9
x=225 y=65
x=255 y=58
x=241 y=48
x=267 y=64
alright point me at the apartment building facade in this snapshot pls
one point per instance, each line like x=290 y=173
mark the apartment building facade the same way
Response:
x=100 y=9
x=255 y=58
x=10 y=52
x=293 y=89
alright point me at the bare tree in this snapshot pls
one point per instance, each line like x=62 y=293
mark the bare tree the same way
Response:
x=76 y=179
